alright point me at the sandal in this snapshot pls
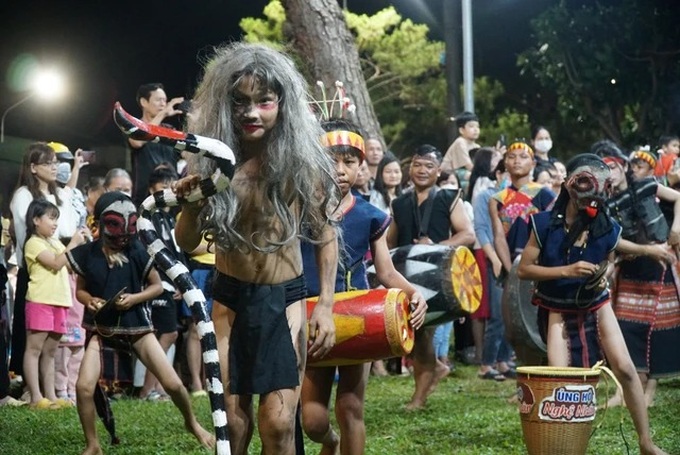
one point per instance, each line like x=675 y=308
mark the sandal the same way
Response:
x=152 y=396
x=44 y=403
x=63 y=403
x=155 y=395
x=492 y=374
x=509 y=373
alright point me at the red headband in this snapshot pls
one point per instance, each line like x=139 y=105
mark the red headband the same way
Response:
x=611 y=159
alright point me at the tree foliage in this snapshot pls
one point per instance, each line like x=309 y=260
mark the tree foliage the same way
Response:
x=268 y=30
x=405 y=78
x=613 y=68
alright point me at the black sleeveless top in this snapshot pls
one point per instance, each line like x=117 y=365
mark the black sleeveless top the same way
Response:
x=410 y=218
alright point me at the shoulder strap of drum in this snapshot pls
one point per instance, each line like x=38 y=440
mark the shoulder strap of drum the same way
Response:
x=424 y=222
x=458 y=196
x=348 y=274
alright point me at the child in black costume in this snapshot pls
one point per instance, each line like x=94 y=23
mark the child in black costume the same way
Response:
x=565 y=248
x=116 y=281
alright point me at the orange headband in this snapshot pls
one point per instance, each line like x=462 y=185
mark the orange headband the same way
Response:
x=521 y=146
x=644 y=156
x=343 y=137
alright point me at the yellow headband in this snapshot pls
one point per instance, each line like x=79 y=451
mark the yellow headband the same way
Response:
x=343 y=137
x=644 y=156
x=521 y=146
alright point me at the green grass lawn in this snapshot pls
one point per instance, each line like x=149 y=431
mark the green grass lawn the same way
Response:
x=464 y=416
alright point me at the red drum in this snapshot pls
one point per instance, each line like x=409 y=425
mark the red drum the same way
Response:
x=369 y=325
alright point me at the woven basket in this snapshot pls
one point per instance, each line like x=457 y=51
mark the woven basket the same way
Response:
x=557 y=408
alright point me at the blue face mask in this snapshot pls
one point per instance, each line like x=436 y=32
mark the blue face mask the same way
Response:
x=63 y=173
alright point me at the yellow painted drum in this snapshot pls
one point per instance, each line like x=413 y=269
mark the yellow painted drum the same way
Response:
x=448 y=278
x=369 y=325
x=557 y=407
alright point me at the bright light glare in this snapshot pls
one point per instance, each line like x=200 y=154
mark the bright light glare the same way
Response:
x=613 y=81
x=48 y=84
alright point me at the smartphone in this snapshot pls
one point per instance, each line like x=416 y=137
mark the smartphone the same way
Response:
x=184 y=106
x=502 y=140
x=88 y=156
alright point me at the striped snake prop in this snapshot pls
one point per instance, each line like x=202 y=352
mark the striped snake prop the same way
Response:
x=164 y=259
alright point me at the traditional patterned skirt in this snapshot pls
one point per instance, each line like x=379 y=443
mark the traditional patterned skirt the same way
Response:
x=647 y=308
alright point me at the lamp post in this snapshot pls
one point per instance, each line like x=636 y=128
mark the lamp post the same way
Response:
x=2 y=122
x=457 y=16
x=468 y=72
x=47 y=85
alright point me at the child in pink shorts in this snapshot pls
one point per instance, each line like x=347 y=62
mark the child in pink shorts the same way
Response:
x=47 y=300
x=71 y=349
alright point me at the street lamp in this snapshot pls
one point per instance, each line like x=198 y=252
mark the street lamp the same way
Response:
x=47 y=85
x=468 y=72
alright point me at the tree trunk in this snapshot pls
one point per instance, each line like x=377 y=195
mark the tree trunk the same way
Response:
x=319 y=35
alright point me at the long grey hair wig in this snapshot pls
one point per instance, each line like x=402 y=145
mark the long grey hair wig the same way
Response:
x=295 y=166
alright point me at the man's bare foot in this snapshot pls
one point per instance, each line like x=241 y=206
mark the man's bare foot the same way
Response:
x=93 y=450
x=649 y=448
x=378 y=369
x=331 y=447
x=440 y=372
x=205 y=438
x=415 y=405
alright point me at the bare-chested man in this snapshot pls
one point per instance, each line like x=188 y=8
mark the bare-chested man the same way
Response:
x=253 y=99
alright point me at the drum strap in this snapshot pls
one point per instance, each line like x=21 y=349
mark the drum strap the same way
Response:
x=424 y=222
x=348 y=274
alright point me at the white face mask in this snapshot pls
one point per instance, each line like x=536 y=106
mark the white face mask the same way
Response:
x=543 y=145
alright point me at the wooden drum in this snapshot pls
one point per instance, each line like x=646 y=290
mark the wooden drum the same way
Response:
x=369 y=325
x=447 y=277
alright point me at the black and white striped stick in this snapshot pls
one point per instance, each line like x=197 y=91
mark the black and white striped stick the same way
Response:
x=165 y=260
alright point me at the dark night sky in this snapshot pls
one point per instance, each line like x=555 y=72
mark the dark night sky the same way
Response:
x=107 y=48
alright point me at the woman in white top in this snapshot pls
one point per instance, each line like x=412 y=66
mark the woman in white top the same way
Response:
x=38 y=179
x=387 y=185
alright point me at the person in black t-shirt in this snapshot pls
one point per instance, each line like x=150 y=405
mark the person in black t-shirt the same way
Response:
x=146 y=156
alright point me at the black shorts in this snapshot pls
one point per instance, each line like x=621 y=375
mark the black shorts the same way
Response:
x=261 y=353
x=164 y=313
x=116 y=356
